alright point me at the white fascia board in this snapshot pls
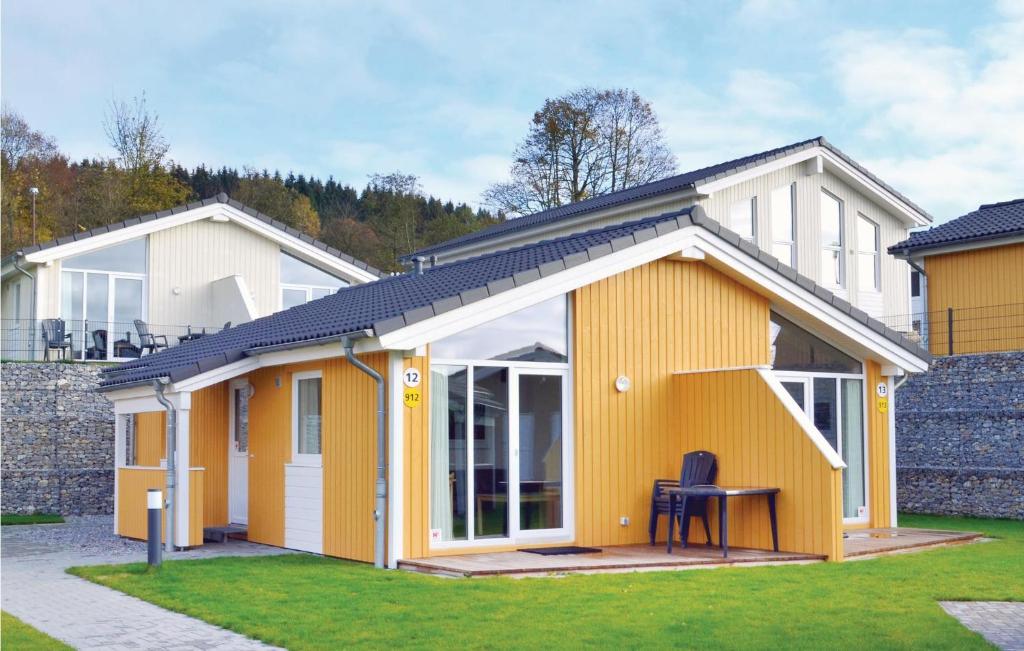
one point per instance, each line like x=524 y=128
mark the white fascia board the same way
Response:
x=835 y=164
x=806 y=302
x=513 y=300
x=967 y=246
x=537 y=233
x=215 y=211
x=802 y=419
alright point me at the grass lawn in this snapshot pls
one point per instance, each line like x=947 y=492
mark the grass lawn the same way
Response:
x=16 y=635
x=38 y=518
x=307 y=602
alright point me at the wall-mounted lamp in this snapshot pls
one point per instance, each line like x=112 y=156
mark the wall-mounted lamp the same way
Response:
x=623 y=384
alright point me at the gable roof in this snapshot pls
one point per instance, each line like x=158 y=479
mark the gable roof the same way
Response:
x=395 y=302
x=177 y=210
x=990 y=221
x=678 y=183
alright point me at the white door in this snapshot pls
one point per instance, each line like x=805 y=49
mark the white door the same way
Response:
x=238 y=453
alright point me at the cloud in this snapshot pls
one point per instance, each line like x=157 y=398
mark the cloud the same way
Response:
x=955 y=114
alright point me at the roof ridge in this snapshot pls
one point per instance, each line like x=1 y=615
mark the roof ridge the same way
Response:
x=1009 y=202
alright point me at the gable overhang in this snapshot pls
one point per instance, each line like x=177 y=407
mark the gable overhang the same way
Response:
x=818 y=159
x=919 y=253
x=219 y=212
x=862 y=336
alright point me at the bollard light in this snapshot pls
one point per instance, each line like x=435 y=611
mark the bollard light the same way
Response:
x=155 y=505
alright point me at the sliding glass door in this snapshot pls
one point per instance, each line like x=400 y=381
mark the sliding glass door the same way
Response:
x=503 y=477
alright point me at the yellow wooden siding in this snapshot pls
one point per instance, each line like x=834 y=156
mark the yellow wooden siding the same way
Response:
x=132 y=509
x=150 y=438
x=349 y=456
x=416 y=487
x=208 y=449
x=737 y=416
x=877 y=454
x=989 y=281
x=270 y=448
x=646 y=323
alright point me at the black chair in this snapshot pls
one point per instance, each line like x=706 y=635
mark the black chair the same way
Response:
x=99 y=345
x=699 y=468
x=149 y=341
x=54 y=338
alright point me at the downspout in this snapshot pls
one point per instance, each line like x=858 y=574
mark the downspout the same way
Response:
x=158 y=386
x=380 y=504
x=32 y=308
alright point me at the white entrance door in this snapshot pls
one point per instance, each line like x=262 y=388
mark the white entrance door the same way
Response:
x=238 y=453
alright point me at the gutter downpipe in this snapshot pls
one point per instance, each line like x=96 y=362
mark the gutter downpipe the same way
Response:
x=380 y=503
x=32 y=309
x=172 y=428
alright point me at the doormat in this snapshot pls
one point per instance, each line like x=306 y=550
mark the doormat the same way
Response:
x=560 y=551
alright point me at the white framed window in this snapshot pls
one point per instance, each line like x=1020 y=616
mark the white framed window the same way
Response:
x=782 y=205
x=302 y=282
x=743 y=218
x=869 y=258
x=833 y=272
x=307 y=418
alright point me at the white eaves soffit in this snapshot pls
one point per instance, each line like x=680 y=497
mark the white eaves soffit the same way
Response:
x=215 y=212
x=685 y=243
x=820 y=158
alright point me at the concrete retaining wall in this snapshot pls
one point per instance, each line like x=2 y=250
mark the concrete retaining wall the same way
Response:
x=960 y=437
x=57 y=441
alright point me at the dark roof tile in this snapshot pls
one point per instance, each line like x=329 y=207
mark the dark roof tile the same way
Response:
x=990 y=221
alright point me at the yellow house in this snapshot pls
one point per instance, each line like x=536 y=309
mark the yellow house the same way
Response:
x=967 y=287
x=524 y=397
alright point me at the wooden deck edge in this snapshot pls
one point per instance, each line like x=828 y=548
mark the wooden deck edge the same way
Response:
x=430 y=567
x=966 y=537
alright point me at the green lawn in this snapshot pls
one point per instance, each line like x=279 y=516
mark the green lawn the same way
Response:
x=306 y=602
x=38 y=518
x=16 y=635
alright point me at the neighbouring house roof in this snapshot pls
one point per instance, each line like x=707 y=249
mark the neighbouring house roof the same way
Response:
x=220 y=198
x=678 y=183
x=990 y=221
x=395 y=302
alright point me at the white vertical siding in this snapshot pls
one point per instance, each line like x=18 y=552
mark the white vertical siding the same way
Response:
x=192 y=256
x=304 y=508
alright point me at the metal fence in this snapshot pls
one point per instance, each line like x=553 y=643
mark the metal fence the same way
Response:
x=90 y=340
x=958 y=331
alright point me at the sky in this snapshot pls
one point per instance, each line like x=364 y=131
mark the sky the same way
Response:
x=928 y=94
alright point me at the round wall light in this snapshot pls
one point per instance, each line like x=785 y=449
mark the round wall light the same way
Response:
x=622 y=384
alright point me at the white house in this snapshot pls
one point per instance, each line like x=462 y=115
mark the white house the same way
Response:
x=182 y=272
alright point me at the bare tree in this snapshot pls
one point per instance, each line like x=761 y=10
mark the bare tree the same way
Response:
x=135 y=134
x=20 y=141
x=582 y=145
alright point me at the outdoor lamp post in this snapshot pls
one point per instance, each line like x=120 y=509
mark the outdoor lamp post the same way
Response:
x=33 y=191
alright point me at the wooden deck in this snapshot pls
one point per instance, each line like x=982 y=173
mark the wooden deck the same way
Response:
x=860 y=543
x=618 y=558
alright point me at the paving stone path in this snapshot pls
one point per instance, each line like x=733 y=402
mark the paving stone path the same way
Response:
x=1000 y=622
x=37 y=590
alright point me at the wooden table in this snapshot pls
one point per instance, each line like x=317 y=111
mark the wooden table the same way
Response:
x=677 y=504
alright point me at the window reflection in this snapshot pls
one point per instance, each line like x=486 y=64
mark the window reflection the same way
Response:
x=535 y=334
x=796 y=349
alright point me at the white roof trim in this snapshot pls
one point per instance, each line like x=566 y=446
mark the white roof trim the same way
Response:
x=769 y=281
x=835 y=164
x=957 y=247
x=290 y=243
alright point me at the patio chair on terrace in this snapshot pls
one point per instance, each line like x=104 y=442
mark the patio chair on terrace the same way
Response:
x=149 y=341
x=699 y=468
x=54 y=338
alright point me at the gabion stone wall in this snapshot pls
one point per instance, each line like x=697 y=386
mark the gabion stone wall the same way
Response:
x=57 y=440
x=960 y=437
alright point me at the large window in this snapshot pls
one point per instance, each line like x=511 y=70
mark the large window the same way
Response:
x=783 y=220
x=743 y=218
x=498 y=456
x=102 y=294
x=869 y=259
x=832 y=263
x=796 y=349
x=306 y=418
x=302 y=282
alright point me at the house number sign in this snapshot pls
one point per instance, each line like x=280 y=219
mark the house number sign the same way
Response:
x=882 y=390
x=411 y=394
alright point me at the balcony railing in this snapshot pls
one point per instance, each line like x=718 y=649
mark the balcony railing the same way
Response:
x=958 y=331
x=92 y=340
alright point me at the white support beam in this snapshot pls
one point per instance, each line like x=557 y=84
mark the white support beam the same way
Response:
x=120 y=443
x=891 y=370
x=181 y=470
x=688 y=254
x=396 y=462
x=892 y=451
